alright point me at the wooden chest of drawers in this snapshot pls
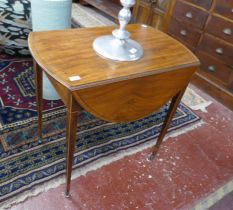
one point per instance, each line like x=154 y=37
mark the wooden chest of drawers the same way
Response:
x=206 y=28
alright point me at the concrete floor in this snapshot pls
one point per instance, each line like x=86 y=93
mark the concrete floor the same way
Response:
x=187 y=169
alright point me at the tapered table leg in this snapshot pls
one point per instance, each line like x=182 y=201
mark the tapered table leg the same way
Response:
x=70 y=139
x=172 y=109
x=39 y=92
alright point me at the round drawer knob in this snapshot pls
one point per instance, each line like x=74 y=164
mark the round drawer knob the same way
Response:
x=219 y=51
x=227 y=31
x=189 y=15
x=183 y=32
x=211 y=68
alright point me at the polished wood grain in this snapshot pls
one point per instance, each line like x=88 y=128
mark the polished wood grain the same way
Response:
x=73 y=111
x=142 y=12
x=168 y=15
x=215 y=33
x=112 y=91
x=133 y=99
x=221 y=28
x=196 y=17
x=63 y=59
x=217 y=48
x=72 y=117
x=172 y=109
x=202 y=3
x=224 y=8
x=215 y=69
x=184 y=32
x=151 y=13
x=63 y=92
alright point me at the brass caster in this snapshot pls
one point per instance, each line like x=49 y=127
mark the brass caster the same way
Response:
x=152 y=157
x=67 y=194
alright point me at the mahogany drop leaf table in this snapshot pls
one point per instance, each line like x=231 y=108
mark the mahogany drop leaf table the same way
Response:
x=112 y=91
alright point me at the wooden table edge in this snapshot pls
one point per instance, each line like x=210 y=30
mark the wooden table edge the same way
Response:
x=118 y=79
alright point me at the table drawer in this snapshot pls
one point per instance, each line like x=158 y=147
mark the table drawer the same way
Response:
x=224 y=8
x=221 y=28
x=184 y=32
x=217 y=48
x=190 y=14
x=202 y=3
x=214 y=68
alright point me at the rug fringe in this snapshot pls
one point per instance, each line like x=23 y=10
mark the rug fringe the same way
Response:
x=202 y=107
x=195 y=101
x=56 y=182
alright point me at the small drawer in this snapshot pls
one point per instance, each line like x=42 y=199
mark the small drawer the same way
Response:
x=202 y=3
x=224 y=8
x=184 y=32
x=221 y=28
x=214 y=68
x=217 y=48
x=190 y=14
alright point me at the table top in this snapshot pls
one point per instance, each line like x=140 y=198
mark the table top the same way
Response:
x=68 y=56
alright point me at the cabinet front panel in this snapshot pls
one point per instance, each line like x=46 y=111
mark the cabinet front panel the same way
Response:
x=191 y=15
x=218 y=49
x=184 y=32
x=221 y=28
x=142 y=11
x=202 y=3
x=224 y=8
x=214 y=68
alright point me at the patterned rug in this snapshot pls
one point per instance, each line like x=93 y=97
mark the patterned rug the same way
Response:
x=26 y=163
